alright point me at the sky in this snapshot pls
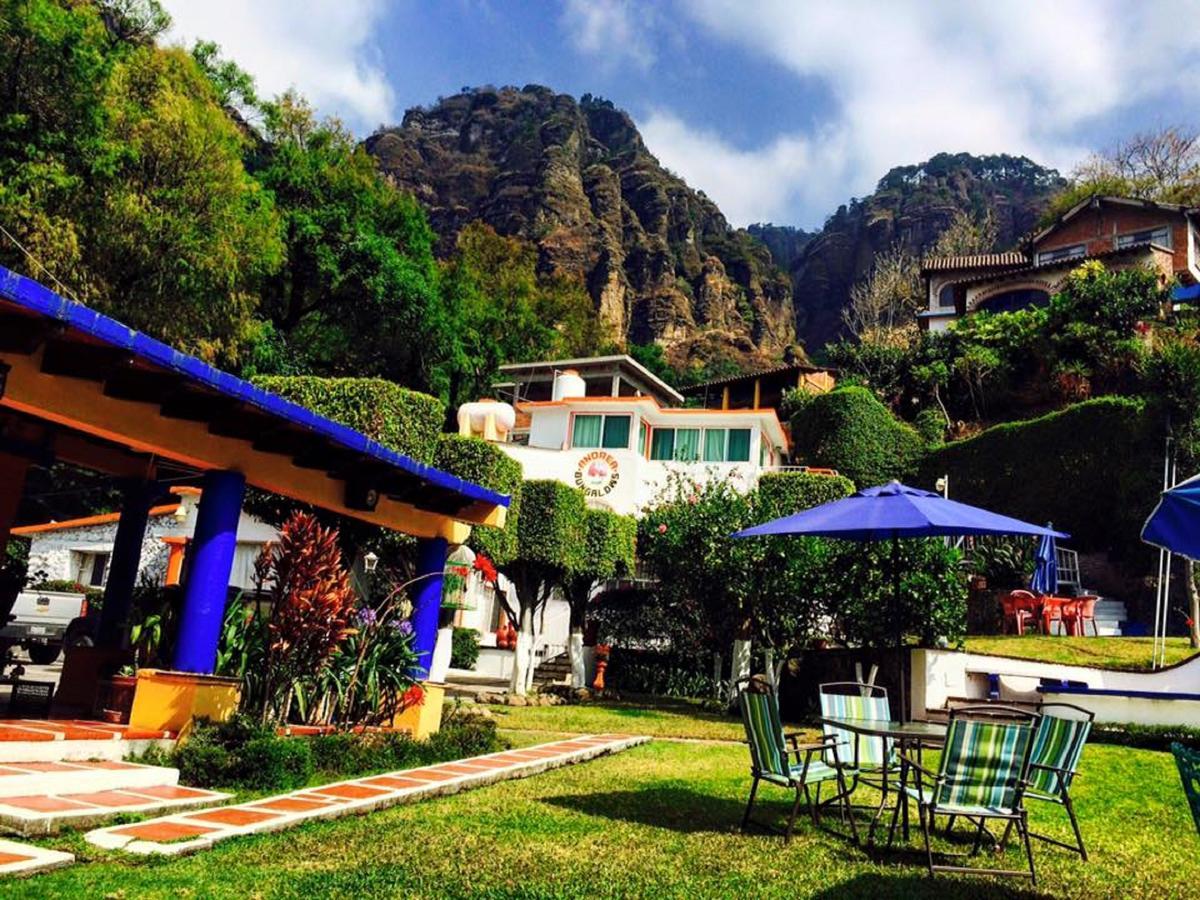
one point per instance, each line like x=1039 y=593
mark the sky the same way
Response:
x=780 y=110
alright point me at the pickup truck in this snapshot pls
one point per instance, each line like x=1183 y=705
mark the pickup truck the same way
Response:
x=39 y=621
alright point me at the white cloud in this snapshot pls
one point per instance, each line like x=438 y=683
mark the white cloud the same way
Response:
x=323 y=48
x=908 y=79
x=612 y=31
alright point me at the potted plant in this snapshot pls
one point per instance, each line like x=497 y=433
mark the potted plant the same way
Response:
x=116 y=697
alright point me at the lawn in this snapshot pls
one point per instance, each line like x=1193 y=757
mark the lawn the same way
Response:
x=665 y=718
x=659 y=820
x=1132 y=653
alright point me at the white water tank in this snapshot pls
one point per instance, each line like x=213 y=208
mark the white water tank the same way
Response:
x=488 y=419
x=568 y=384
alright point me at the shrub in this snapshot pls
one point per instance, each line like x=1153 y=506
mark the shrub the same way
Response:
x=464 y=648
x=402 y=420
x=784 y=493
x=931 y=426
x=483 y=463
x=848 y=429
x=271 y=763
x=1092 y=469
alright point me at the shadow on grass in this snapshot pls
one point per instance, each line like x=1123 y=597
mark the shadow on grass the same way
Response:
x=880 y=886
x=675 y=808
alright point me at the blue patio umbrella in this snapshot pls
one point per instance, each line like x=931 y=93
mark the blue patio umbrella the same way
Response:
x=1045 y=567
x=891 y=512
x=1175 y=523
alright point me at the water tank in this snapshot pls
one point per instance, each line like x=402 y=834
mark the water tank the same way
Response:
x=568 y=384
x=488 y=419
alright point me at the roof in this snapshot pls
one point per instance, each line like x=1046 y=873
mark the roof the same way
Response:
x=1071 y=262
x=1098 y=199
x=793 y=368
x=974 y=261
x=136 y=371
x=88 y=521
x=621 y=360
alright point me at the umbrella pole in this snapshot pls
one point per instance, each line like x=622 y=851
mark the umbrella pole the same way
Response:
x=900 y=660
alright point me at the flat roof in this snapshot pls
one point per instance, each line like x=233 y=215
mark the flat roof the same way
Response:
x=70 y=366
x=619 y=360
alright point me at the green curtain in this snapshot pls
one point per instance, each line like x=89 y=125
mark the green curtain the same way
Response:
x=616 y=432
x=739 y=445
x=662 y=443
x=687 y=444
x=586 y=434
x=714 y=445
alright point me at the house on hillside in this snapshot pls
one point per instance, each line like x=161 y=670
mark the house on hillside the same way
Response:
x=763 y=389
x=1119 y=231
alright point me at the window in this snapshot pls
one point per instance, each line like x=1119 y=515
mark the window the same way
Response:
x=1060 y=253
x=662 y=444
x=1160 y=236
x=714 y=444
x=739 y=445
x=726 y=444
x=99 y=568
x=945 y=299
x=592 y=431
x=642 y=435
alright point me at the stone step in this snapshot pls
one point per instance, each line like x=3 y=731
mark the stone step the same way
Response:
x=46 y=813
x=25 y=859
x=27 y=778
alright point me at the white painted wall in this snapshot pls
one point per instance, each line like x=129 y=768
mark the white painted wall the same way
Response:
x=940 y=674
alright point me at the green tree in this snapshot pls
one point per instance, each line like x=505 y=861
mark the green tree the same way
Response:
x=357 y=293
x=609 y=549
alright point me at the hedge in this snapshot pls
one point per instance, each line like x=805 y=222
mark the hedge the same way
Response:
x=1092 y=469
x=484 y=463
x=609 y=545
x=402 y=420
x=848 y=429
x=550 y=532
x=784 y=493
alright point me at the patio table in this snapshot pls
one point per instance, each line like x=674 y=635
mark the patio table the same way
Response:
x=906 y=736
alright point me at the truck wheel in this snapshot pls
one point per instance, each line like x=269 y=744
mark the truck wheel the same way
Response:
x=43 y=654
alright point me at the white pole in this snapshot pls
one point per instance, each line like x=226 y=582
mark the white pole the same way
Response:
x=1163 y=588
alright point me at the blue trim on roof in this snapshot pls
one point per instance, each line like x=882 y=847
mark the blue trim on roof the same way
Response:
x=1115 y=692
x=1180 y=293
x=36 y=297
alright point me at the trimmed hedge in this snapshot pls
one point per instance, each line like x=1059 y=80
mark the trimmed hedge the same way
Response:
x=848 y=429
x=610 y=545
x=784 y=493
x=464 y=648
x=406 y=421
x=1092 y=469
x=552 y=525
x=484 y=463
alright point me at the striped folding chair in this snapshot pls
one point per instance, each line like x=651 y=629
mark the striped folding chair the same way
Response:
x=981 y=777
x=776 y=758
x=854 y=700
x=1188 y=762
x=1057 y=745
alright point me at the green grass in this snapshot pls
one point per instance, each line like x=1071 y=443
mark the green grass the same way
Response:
x=665 y=718
x=659 y=820
x=1131 y=653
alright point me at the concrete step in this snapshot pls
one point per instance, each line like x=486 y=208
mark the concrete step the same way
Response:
x=26 y=859
x=23 y=779
x=46 y=813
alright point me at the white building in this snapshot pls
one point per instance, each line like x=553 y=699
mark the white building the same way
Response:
x=79 y=549
x=607 y=427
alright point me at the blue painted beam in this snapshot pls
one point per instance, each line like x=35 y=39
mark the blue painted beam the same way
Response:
x=427 y=598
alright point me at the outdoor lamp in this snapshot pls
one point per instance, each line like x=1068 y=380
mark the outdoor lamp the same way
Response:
x=370 y=561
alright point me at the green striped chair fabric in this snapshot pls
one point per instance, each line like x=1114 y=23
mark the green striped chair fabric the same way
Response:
x=1057 y=745
x=1188 y=762
x=858 y=751
x=768 y=753
x=981 y=766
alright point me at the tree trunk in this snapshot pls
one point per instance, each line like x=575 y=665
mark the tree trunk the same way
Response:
x=575 y=644
x=521 y=653
x=1189 y=572
x=716 y=676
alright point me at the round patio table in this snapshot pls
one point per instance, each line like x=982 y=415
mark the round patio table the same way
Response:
x=906 y=736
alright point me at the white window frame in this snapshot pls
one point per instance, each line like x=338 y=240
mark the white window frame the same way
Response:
x=1061 y=254
x=603 y=417
x=1145 y=236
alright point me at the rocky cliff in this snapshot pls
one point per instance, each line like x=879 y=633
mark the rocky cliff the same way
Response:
x=912 y=205
x=658 y=258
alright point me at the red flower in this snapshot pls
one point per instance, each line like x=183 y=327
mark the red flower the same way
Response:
x=662 y=529
x=414 y=696
x=1190 y=622
x=486 y=568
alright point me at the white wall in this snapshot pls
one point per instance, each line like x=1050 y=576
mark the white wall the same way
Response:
x=941 y=674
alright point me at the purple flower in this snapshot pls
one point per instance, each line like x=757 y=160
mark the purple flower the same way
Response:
x=404 y=627
x=367 y=616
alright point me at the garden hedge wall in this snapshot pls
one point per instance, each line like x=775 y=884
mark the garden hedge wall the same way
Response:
x=402 y=420
x=1093 y=469
x=784 y=493
x=483 y=463
x=848 y=429
x=552 y=525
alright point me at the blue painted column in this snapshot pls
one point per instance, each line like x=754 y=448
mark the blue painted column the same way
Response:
x=125 y=561
x=427 y=598
x=211 y=563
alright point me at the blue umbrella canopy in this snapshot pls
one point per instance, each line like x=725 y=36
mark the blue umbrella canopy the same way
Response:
x=1175 y=523
x=1045 y=568
x=895 y=510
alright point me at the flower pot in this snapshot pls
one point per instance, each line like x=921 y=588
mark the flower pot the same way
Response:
x=117 y=699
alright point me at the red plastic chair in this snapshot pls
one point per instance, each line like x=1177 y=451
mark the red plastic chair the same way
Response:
x=1052 y=611
x=1019 y=609
x=1085 y=611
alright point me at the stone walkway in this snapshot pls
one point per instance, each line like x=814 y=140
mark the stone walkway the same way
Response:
x=24 y=859
x=189 y=832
